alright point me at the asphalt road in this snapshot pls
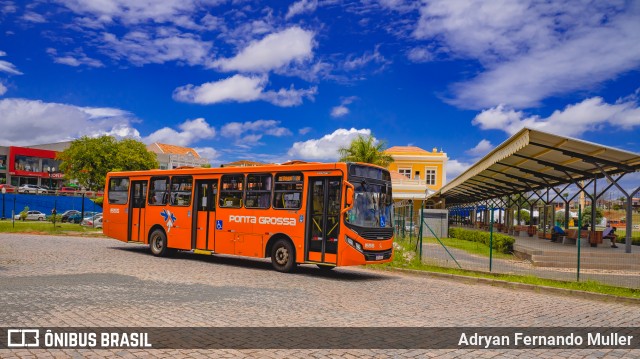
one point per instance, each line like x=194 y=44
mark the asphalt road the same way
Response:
x=49 y=281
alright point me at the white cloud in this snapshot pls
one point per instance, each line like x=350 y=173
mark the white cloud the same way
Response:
x=165 y=45
x=250 y=133
x=239 y=88
x=532 y=50
x=132 y=12
x=33 y=17
x=236 y=88
x=356 y=62
x=301 y=7
x=209 y=153
x=8 y=67
x=342 y=109
x=574 y=120
x=482 y=148
x=28 y=122
x=190 y=132
x=455 y=168
x=305 y=130
x=271 y=52
x=290 y=97
x=75 y=58
x=326 y=148
x=339 y=111
x=420 y=54
x=3 y=89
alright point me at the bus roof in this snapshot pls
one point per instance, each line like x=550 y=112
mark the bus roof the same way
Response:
x=292 y=166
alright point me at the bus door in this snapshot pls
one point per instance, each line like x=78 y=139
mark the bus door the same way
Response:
x=137 y=200
x=204 y=218
x=323 y=219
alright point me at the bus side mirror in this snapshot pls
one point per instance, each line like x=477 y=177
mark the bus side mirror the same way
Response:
x=349 y=196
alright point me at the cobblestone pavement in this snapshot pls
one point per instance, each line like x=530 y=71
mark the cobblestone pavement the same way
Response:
x=86 y=282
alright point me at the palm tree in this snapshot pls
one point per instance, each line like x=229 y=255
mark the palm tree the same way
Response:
x=364 y=149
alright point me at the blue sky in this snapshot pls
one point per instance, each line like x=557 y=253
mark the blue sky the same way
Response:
x=274 y=81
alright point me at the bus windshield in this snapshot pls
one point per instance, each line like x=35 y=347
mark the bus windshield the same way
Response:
x=372 y=206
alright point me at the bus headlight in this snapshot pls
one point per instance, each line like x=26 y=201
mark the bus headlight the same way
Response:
x=354 y=244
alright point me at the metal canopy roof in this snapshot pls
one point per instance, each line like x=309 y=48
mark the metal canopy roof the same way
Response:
x=532 y=160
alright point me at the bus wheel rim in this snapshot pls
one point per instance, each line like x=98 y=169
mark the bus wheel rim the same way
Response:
x=282 y=255
x=157 y=243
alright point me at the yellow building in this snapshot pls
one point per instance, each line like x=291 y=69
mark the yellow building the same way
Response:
x=414 y=171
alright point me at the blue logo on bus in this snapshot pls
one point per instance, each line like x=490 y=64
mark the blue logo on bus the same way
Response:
x=383 y=221
x=219 y=224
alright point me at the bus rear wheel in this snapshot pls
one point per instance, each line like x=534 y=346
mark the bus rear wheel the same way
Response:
x=282 y=256
x=158 y=243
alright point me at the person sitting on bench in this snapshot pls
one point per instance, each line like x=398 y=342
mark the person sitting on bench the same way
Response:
x=609 y=232
x=557 y=232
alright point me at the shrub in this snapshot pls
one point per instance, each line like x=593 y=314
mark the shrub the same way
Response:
x=501 y=242
x=23 y=214
x=99 y=201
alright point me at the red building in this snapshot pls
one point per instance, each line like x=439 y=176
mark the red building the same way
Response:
x=22 y=165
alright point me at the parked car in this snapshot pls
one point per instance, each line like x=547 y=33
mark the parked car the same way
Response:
x=9 y=188
x=67 y=191
x=93 y=221
x=31 y=188
x=77 y=217
x=32 y=216
x=67 y=214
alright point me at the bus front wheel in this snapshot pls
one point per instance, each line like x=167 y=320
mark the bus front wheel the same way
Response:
x=282 y=256
x=158 y=243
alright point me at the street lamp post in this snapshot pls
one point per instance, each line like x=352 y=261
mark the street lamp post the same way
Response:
x=83 y=191
x=54 y=212
x=4 y=191
x=51 y=170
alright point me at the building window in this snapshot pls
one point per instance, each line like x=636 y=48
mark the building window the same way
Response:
x=405 y=172
x=430 y=177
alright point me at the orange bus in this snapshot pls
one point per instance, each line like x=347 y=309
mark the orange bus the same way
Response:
x=328 y=214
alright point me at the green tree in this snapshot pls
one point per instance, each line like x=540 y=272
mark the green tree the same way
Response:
x=524 y=216
x=586 y=215
x=364 y=149
x=88 y=160
x=560 y=217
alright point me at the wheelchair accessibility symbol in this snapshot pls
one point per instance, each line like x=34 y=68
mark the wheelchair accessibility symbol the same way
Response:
x=219 y=224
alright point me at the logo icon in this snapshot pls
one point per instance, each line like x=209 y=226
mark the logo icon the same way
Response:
x=219 y=224
x=169 y=218
x=17 y=338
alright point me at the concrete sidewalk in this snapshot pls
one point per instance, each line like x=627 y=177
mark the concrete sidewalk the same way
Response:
x=545 y=259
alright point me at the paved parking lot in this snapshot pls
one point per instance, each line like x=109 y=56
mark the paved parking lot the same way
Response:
x=80 y=282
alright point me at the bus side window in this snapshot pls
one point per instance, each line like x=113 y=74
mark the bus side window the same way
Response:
x=159 y=191
x=181 y=187
x=118 y=190
x=231 y=191
x=258 y=191
x=288 y=191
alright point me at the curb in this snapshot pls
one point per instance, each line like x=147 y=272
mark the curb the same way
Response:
x=514 y=285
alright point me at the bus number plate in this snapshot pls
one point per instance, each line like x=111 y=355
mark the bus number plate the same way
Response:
x=379 y=257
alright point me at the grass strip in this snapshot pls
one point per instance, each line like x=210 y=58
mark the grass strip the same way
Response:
x=405 y=258
x=46 y=228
